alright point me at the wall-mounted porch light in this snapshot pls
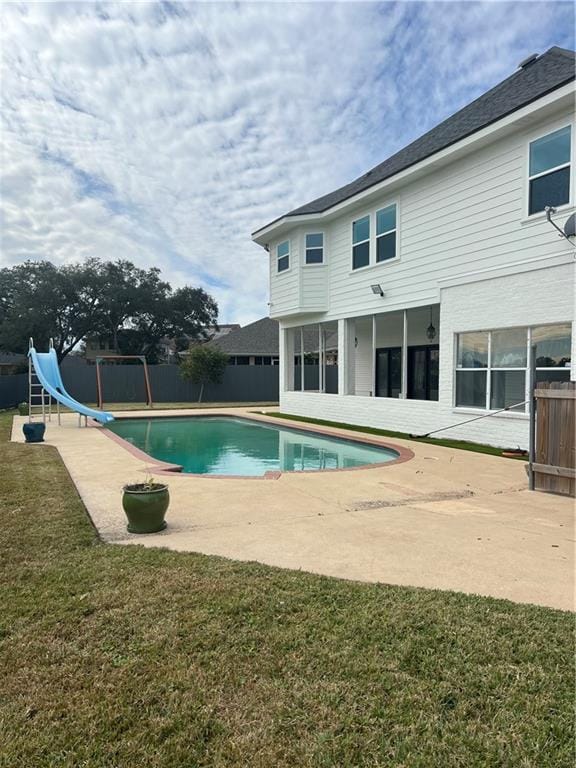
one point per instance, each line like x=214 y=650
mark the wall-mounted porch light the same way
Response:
x=431 y=330
x=377 y=289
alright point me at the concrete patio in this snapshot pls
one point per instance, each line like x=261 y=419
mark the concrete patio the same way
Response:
x=445 y=519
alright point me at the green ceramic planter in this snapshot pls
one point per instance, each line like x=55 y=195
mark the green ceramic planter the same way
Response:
x=145 y=507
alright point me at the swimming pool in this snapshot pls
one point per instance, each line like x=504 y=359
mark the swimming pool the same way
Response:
x=225 y=445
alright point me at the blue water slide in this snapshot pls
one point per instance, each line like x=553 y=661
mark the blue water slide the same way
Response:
x=48 y=373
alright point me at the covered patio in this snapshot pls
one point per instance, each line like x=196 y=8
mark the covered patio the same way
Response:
x=386 y=355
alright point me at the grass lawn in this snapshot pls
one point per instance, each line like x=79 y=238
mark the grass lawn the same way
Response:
x=125 y=657
x=462 y=445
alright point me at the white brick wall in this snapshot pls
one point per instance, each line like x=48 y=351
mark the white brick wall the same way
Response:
x=541 y=296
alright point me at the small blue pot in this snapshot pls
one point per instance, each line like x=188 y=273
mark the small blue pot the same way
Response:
x=34 y=433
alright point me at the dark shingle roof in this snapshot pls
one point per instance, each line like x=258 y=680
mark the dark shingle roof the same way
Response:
x=259 y=338
x=548 y=72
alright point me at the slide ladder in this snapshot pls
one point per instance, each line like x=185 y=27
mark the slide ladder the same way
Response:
x=45 y=385
x=39 y=401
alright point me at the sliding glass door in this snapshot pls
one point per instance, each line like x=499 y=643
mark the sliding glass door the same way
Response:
x=422 y=372
x=389 y=372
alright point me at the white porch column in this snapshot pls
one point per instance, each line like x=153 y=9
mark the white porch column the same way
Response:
x=351 y=356
x=373 y=355
x=404 y=381
x=302 y=360
x=343 y=357
x=346 y=333
x=286 y=373
x=321 y=385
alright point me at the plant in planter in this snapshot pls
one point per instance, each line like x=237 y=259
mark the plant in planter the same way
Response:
x=34 y=432
x=145 y=505
x=23 y=409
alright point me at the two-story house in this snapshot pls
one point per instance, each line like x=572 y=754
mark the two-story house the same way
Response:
x=439 y=271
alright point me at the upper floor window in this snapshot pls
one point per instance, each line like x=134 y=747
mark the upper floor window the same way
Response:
x=361 y=242
x=386 y=233
x=283 y=255
x=549 y=171
x=315 y=248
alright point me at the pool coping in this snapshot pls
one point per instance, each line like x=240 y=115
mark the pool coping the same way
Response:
x=159 y=467
x=448 y=520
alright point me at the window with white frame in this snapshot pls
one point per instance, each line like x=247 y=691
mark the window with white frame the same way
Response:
x=386 y=233
x=314 y=248
x=508 y=364
x=283 y=256
x=361 y=242
x=552 y=348
x=492 y=366
x=549 y=171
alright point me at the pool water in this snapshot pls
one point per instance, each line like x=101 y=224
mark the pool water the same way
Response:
x=218 y=445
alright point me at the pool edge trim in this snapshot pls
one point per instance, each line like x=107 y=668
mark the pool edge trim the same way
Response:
x=164 y=468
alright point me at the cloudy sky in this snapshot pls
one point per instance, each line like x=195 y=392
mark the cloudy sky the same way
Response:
x=165 y=133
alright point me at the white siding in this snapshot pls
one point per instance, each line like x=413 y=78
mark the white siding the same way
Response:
x=469 y=215
x=302 y=289
x=284 y=286
x=314 y=288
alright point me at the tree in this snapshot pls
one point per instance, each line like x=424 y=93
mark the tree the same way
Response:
x=183 y=314
x=42 y=301
x=191 y=312
x=130 y=295
x=204 y=365
x=134 y=307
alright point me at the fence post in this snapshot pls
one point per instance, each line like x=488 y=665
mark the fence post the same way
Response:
x=532 y=435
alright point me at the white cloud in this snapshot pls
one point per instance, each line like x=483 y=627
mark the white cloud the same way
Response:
x=166 y=133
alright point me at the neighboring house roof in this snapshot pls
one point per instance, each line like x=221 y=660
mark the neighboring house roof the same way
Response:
x=223 y=330
x=212 y=332
x=544 y=74
x=262 y=338
x=259 y=338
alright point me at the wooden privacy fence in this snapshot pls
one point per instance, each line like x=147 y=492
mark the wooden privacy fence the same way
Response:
x=554 y=465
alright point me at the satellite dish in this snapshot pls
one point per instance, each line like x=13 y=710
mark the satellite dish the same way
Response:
x=569 y=230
